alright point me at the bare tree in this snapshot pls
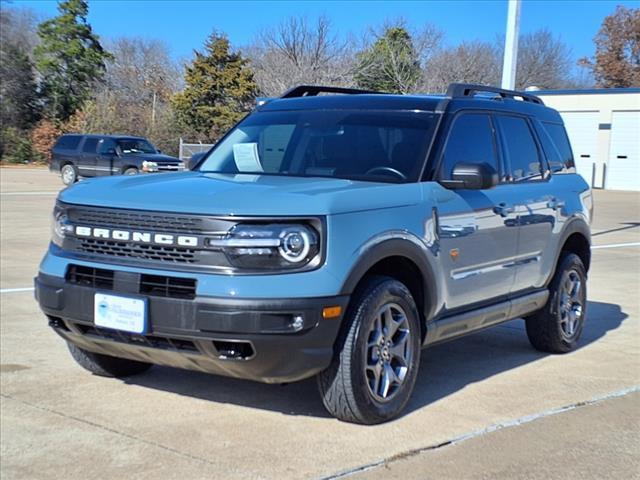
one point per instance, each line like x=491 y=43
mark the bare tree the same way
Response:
x=544 y=61
x=298 y=52
x=18 y=26
x=469 y=62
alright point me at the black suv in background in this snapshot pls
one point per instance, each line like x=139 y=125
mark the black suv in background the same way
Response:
x=99 y=155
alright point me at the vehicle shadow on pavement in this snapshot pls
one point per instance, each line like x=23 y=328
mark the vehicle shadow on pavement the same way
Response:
x=444 y=369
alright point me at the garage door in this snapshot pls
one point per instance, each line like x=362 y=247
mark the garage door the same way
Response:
x=623 y=167
x=582 y=128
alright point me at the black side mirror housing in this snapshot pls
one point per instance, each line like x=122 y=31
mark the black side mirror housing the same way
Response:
x=472 y=176
x=195 y=159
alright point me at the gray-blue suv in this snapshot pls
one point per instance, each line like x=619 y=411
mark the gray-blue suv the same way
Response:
x=332 y=233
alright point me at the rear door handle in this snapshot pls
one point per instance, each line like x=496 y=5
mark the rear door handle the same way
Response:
x=503 y=209
x=555 y=204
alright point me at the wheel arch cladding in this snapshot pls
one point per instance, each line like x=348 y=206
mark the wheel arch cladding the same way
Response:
x=401 y=260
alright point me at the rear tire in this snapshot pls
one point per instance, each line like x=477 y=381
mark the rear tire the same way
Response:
x=375 y=365
x=556 y=328
x=105 y=365
x=69 y=174
x=130 y=171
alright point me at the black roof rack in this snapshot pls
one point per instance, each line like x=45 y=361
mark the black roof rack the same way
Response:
x=460 y=90
x=313 y=90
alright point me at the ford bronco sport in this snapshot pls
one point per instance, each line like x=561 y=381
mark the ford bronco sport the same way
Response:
x=332 y=232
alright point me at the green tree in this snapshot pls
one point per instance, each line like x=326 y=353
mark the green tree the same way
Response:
x=390 y=64
x=219 y=89
x=69 y=58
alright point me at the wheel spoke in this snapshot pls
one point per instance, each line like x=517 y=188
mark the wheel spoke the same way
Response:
x=575 y=291
x=388 y=379
x=399 y=348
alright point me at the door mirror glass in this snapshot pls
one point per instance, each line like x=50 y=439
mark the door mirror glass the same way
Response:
x=472 y=176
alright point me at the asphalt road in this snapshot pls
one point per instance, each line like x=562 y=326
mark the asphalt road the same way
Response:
x=486 y=406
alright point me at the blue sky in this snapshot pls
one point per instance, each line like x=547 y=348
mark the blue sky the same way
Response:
x=184 y=25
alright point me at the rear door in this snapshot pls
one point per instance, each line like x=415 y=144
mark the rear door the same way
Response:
x=533 y=195
x=477 y=229
x=88 y=157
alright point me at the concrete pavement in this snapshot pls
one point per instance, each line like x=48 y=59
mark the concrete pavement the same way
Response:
x=58 y=421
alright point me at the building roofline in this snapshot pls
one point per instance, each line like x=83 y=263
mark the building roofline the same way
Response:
x=587 y=91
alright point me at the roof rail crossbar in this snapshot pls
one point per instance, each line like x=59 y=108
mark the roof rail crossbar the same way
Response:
x=458 y=90
x=313 y=90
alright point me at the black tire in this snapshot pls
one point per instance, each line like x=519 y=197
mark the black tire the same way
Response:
x=548 y=329
x=347 y=386
x=130 y=171
x=69 y=174
x=106 y=366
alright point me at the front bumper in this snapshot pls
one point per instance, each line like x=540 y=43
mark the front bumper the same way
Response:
x=246 y=338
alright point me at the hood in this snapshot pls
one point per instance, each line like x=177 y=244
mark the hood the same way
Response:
x=153 y=157
x=228 y=194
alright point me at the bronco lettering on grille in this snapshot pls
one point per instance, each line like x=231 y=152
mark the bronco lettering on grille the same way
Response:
x=137 y=237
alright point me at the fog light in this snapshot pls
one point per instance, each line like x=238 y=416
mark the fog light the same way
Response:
x=297 y=322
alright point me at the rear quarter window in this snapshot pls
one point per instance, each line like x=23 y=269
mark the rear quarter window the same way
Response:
x=68 y=142
x=558 y=136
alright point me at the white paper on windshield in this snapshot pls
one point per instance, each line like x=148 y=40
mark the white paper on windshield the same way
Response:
x=246 y=157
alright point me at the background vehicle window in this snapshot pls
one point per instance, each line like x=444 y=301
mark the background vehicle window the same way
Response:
x=471 y=141
x=90 y=145
x=520 y=147
x=105 y=145
x=135 y=145
x=559 y=136
x=68 y=142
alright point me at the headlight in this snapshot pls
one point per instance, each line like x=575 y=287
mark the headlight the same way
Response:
x=60 y=226
x=273 y=246
x=149 y=166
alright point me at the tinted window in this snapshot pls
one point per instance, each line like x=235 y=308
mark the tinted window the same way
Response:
x=521 y=149
x=470 y=141
x=135 y=145
x=90 y=145
x=68 y=142
x=559 y=136
x=331 y=143
x=105 y=145
x=556 y=164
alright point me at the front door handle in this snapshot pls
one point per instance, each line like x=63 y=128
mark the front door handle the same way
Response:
x=503 y=209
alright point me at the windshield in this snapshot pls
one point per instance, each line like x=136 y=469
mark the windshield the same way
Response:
x=135 y=145
x=361 y=145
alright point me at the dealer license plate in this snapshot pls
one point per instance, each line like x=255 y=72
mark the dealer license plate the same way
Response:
x=120 y=313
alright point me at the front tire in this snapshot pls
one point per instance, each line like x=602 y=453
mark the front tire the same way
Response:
x=374 y=369
x=105 y=365
x=130 y=171
x=68 y=174
x=557 y=327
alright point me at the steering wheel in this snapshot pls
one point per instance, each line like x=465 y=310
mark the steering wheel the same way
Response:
x=391 y=170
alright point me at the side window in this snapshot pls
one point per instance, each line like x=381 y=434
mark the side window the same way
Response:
x=471 y=140
x=90 y=145
x=105 y=145
x=556 y=164
x=520 y=147
x=68 y=142
x=559 y=136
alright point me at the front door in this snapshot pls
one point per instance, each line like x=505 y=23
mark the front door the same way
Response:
x=107 y=158
x=477 y=229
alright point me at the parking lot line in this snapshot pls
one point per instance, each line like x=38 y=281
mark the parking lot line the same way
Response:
x=8 y=194
x=616 y=245
x=16 y=290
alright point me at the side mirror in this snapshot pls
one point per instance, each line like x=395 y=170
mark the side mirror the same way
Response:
x=472 y=176
x=195 y=159
x=159 y=151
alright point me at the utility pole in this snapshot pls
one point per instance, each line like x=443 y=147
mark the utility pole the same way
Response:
x=510 y=62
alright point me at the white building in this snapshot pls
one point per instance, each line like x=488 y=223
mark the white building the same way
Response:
x=604 y=129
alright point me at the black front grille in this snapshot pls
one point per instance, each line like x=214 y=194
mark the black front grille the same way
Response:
x=153 y=341
x=137 y=251
x=173 y=287
x=90 y=277
x=151 y=285
x=138 y=220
